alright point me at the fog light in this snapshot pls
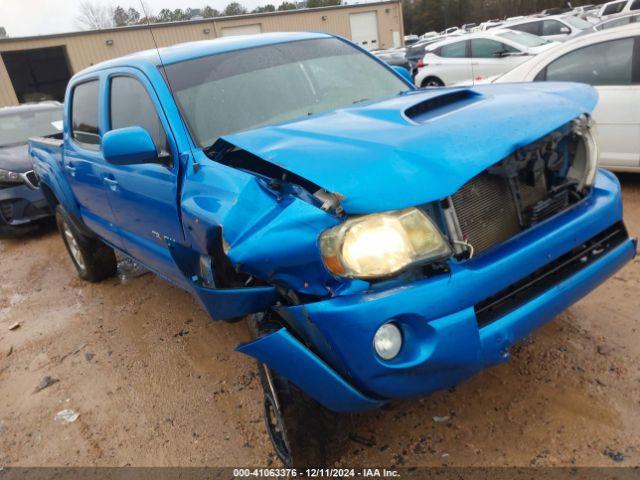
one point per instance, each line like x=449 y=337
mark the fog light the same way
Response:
x=388 y=341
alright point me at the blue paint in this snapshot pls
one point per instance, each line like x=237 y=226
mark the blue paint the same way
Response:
x=379 y=156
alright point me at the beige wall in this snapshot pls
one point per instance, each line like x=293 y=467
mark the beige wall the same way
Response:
x=88 y=48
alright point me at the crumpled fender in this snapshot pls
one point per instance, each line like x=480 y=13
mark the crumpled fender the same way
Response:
x=291 y=359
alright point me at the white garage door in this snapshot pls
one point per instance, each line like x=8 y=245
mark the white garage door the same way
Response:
x=242 y=30
x=364 y=29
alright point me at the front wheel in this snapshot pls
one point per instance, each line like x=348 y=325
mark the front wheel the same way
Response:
x=93 y=260
x=297 y=425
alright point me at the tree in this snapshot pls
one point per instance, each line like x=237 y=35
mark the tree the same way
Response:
x=286 y=6
x=122 y=17
x=93 y=15
x=266 y=8
x=234 y=8
x=322 y=3
x=168 y=15
x=208 y=12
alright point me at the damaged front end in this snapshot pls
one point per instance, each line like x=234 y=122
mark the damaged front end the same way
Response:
x=334 y=271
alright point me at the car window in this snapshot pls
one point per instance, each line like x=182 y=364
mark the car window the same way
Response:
x=84 y=113
x=486 y=48
x=454 y=50
x=613 y=8
x=131 y=106
x=606 y=63
x=635 y=5
x=553 y=27
x=529 y=27
x=615 y=23
x=523 y=38
x=18 y=127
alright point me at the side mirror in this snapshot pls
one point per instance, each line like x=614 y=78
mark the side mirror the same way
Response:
x=129 y=146
x=404 y=73
x=565 y=30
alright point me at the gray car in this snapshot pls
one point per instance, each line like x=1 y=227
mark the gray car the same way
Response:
x=22 y=204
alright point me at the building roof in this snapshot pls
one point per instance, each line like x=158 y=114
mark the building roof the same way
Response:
x=197 y=21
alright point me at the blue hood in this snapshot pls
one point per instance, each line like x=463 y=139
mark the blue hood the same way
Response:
x=418 y=147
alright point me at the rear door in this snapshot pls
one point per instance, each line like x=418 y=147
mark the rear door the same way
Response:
x=491 y=57
x=451 y=63
x=84 y=165
x=144 y=197
x=613 y=68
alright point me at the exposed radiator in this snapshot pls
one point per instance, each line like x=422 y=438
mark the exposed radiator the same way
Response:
x=486 y=211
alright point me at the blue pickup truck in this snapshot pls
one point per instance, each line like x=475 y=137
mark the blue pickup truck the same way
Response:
x=386 y=241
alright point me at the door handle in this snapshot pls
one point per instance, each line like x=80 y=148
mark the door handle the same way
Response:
x=112 y=183
x=71 y=170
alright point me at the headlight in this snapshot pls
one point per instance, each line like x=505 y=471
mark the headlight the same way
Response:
x=10 y=177
x=585 y=161
x=379 y=245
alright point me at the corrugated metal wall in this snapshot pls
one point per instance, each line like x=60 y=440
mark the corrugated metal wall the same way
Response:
x=88 y=48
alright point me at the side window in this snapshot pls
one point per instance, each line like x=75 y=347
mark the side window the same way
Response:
x=635 y=5
x=84 y=113
x=553 y=27
x=613 y=8
x=485 y=48
x=131 y=106
x=454 y=50
x=606 y=63
x=617 y=23
x=530 y=27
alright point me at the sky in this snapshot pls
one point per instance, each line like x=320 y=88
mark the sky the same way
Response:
x=39 y=17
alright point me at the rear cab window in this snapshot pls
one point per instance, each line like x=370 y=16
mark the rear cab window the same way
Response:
x=84 y=114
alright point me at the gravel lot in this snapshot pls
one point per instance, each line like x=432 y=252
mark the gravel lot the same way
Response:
x=156 y=383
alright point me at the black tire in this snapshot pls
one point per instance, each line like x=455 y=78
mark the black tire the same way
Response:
x=298 y=426
x=93 y=260
x=432 y=82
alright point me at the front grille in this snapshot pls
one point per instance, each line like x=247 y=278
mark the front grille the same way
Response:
x=550 y=275
x=486 y=211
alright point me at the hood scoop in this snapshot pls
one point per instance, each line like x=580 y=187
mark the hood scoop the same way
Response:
x=436 y=107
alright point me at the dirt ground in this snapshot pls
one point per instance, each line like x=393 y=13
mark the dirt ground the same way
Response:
x=156 y=383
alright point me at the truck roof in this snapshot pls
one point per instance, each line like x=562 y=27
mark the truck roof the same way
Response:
x=189 y=50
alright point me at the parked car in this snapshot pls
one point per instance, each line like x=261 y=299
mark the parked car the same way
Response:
x=555 y=11
x=416 y=52
x=393 y=56
x=388 y=242
x=22 y=205
x=617 y=7
x=613 y=21
x=476 y=56
x=410 y=39
x=557 y=28
x=607 y=60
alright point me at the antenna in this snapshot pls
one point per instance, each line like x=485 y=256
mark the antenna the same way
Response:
x=147 y=14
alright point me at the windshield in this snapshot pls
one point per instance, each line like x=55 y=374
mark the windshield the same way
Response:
x=18 y=127
x=578 y=23
x=524 y=38
x=246 y=89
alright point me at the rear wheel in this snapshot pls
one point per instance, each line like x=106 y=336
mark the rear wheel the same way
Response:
x=297 y=425
x=93 y=260
x=432 y=82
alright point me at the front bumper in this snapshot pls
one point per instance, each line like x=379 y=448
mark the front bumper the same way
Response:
x=20 y=206
x=443 y=342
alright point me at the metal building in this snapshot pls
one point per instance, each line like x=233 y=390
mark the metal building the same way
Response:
x=37 y=68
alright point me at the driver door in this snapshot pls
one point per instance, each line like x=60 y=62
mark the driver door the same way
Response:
x=144 y=197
